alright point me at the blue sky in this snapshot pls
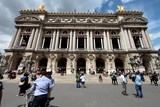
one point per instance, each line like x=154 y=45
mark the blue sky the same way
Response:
x=10 y=10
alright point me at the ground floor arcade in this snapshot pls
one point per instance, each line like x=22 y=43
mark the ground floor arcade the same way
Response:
x=71 y=63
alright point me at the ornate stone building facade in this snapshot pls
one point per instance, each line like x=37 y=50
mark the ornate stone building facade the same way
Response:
x=73 y=41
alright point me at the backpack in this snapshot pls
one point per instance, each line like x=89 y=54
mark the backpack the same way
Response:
x=133 y=78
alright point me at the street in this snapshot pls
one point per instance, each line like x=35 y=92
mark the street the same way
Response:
x=95 y=95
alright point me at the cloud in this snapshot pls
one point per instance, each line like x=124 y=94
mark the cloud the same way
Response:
x=126 y=1
x=154 y=36
x=4 y=42
x=156 y=47
x=111 y=3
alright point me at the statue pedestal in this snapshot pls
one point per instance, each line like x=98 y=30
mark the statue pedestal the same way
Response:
x=141 y=69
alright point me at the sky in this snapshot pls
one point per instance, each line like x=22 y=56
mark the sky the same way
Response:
x=10 y=10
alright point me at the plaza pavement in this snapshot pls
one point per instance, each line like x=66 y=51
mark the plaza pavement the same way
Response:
x=95 y=95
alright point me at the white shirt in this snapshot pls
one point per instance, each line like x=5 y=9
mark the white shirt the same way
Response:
x=83 y=78
x=123 y=79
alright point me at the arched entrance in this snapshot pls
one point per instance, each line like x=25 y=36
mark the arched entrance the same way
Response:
x=119 y=64
x=146 y=63
x=62 y=65
x=43 y=63
x=81 y=65
x=16 y=62
x=99 y=65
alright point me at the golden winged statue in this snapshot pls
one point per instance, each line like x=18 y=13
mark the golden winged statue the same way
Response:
x=41 y=7
x=120 y=8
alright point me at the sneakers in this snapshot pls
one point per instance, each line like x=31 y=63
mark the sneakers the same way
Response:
x=50 y=98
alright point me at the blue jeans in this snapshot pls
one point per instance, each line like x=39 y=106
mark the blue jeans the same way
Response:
x=78 y=84
x=139 y=93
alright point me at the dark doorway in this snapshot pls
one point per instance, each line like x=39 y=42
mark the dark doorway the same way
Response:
x=100 y=65
x=17 y=62
x=81 y=65
x=62 y=65
x=145 y=63
x=119 y=64
x=43 y=63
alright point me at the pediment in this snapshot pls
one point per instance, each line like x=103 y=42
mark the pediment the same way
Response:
x=27 y=18
x=134 y=19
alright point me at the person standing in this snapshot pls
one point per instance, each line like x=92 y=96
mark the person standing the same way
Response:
x=83 y=79
x=138 y=85
x=123 y=79
x=1 y=89
x=41 y=87
x=24 y=84
x=78 y=80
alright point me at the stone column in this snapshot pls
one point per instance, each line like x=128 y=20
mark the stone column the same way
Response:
x=149 y=39
x=17 y=37
x=140 y=39
x=131 y=40
x=144 y=39
x=128 y=44
x=31 y=39
x=39 y=40
x=67 y=43
x=104 y=40
x=35 y=39
x=20 y=40
x=123 y=39
x=119 y=45
x=71 y=41
x=102 y=44
x=53 y=40
x=57 y=40
x=13 y=39
x=74 y=39
x=43 y=42
x=91 y=39
x=108 y=41
x=88 y=41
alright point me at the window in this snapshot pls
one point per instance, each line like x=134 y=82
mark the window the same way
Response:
x=137 y=42
x=97 y=33
x=24 y=41
x=47 y=42
x=98 y=43
x=115 y=43
x=64 y=42
x=80 y=43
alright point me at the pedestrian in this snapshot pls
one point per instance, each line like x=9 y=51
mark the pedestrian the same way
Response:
x=78 y=80
x=1 y=90
x=83 y=79
x=123 y=79
x=138 y=85
x=41 y=87
x=100 y=78
x=24 y=84
x=49 y=75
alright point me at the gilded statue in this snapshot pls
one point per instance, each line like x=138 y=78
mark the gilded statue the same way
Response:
x=120 y=8
x=41 y=7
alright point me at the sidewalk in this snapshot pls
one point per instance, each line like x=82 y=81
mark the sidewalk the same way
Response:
x=70 y=78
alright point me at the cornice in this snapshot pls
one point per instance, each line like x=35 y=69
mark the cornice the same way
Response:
x=81 y=13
